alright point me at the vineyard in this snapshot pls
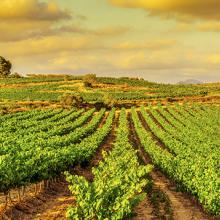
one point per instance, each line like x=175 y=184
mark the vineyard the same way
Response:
x=152 y=162
x=122 y=90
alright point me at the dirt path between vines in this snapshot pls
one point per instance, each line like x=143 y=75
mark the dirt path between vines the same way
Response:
x=155 y=205
x=182 y=206
x=52 y=203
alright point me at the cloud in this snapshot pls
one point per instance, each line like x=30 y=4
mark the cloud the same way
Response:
x=83 y=44
x=33 y=19
x=86 y=54
x=148 y=44
x=181 y=9
x=208 y=27
x=30 y=19
x=23 y=30
x=31 y=10
x=201 y=26
x=35 y=30
x=49 y=45
x=107 y=31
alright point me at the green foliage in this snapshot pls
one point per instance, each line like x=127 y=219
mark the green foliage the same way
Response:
x=69 y=100
x=55 y=86
x=40 y=144
x=109 y=101
x=192 y=148
x=90 y=78
x=117 y=186
x=34 y=157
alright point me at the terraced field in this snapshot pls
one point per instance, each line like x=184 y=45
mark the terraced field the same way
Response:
x=153 y=162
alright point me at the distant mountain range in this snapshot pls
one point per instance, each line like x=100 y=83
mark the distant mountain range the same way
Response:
x=190 y=81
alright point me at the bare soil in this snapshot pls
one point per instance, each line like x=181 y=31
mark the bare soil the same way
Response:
x=174 y=117
x=163 y=201
x=165 y=119
x=153 y=207
x=147 y=127
x=182 y=205
x=48 y=204
x=51 y=203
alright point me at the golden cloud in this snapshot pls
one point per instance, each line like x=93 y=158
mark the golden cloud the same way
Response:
x=35 y=30
x=23 y=30
x=80 y=43
x=107 y=31
x=149 y=44
x=31 y=10
x=34 y=19
x=182 y=9
x=208 y=27
x=48 y=45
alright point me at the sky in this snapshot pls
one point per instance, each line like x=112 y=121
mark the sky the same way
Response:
x=158 y=40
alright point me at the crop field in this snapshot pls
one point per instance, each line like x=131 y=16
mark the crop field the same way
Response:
x=109 y=110
x=147 y=162
x=123 y=90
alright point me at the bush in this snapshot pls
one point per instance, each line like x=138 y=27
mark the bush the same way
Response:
x=109 y=101
x=87 y=84
x=67 y=78
x=69 y=100
x=90 y=78
x=15 y=75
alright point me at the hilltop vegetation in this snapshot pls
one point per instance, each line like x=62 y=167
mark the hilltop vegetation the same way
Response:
x=100 y=91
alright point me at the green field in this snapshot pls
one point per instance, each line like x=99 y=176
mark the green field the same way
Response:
x=181 y=141
x=120 y=144
x=122 y=90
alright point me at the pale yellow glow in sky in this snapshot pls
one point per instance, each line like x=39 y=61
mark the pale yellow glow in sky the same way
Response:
x=160 y=40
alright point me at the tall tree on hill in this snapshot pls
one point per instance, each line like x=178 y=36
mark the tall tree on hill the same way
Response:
x=5 y=67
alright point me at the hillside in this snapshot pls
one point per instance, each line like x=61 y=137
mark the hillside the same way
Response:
x=48 y=90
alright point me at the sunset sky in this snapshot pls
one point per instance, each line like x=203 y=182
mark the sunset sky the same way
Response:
x=159 y=40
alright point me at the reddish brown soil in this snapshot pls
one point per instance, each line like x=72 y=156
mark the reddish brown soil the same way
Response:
x=51 y=204
x=143 y=211
x=158 y=140
x=48 y=204
x=182 y=206
x=165 y=118
x=86 y=170
x=178 y=112
x=175 y=117
x=147 y=208
x=155 y=120
x=163 y=200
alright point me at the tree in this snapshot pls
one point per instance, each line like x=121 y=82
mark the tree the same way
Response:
x=5 y=67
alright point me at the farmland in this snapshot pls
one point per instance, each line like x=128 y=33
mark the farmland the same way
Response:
x=50 y=89
x=151 y=154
